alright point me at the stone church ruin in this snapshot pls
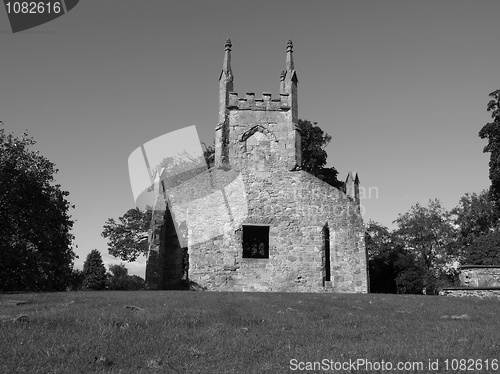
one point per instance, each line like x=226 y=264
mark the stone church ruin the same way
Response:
x=255 y=221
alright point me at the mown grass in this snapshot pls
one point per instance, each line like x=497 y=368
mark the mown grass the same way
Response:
x=202 y=332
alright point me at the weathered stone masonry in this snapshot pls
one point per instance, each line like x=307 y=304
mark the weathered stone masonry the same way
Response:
x=271 y=226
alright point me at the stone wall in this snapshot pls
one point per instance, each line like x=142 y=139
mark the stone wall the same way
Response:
x=296 y=206
x=477 y=281
x=480 y=276
x=471 y=292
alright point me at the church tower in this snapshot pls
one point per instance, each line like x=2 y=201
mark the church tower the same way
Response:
x=260 y=134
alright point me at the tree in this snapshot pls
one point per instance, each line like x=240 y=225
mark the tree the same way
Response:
x=35 y=241
x=475 y=215
x=484 y=249
x=128 y=239
x=392 y=267
x=491 y=131
x=412 y=277
x=427 y=234
x=313 y=142
x=382 y=255
x=94 y=272
x=121 y=281
x=476 y=218
x=77 y=278
x=118 y=271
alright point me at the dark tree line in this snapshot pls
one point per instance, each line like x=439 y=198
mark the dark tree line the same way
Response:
x=422 y=253
x=35 y=240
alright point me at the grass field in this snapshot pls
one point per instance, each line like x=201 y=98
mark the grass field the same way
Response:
x=202 y=332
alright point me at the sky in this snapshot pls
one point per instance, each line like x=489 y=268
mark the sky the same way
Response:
x=402 y=87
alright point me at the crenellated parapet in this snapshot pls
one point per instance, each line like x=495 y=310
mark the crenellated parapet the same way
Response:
x=249 y=102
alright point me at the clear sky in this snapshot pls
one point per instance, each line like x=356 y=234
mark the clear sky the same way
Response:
x=401 y=86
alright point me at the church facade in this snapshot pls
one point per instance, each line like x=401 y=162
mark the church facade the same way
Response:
x=256 y=221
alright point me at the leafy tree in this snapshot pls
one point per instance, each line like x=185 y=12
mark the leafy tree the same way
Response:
x=392 y=267
x=128 y=239
x=484 y=249
x=382 y=255
x=35 y=241
x=77 y=278
x=428 y=233
x=120 y=280
x=313 y=142
x=94 y=272
x=412 y=277
x=118 y=271
x=476 y=217
x=135 y=283
x=491 y=131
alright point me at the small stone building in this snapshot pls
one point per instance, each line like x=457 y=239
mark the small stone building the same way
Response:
x=256 y=221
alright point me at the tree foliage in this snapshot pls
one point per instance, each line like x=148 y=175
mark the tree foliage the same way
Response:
x=382 y=256
x=35 y=240
x=313 y=142
x=128 y=238
x=94 y=272
x=428 y=234
x=475 y=215
x=393 y=268
x=484 y=249
x=419 y=256
x=476 y=219
x=76 y=282
x=119 y=279
x=491 y=132
x=118 y=270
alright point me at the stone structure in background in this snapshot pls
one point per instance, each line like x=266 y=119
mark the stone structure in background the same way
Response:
x=256 y=221
x=476 y=280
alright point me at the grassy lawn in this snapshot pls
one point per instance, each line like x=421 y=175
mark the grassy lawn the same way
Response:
x=202 y=332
